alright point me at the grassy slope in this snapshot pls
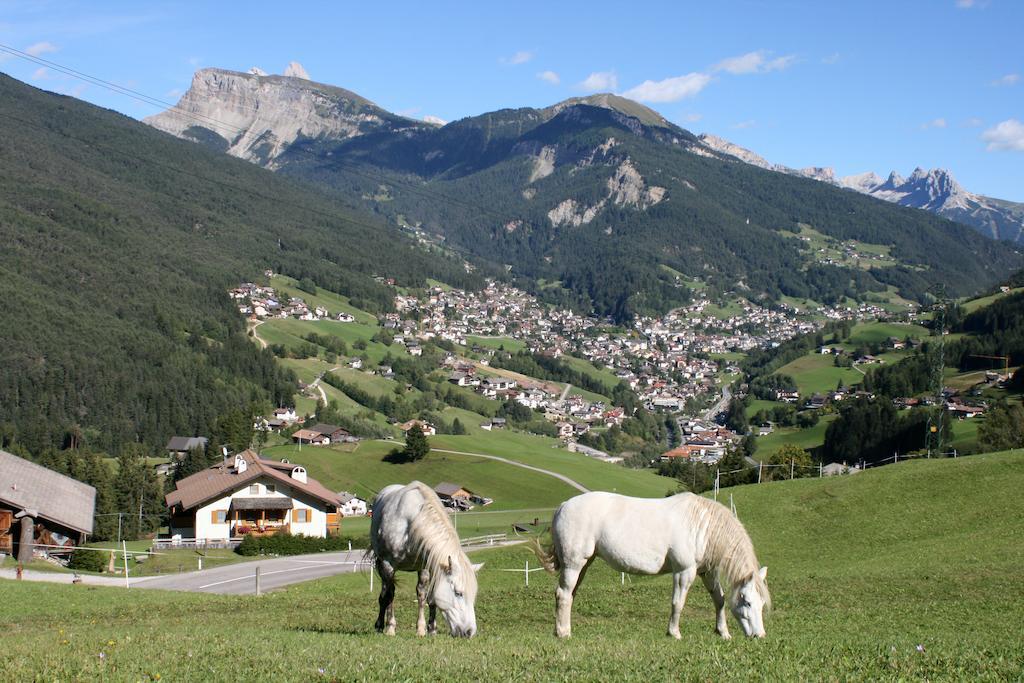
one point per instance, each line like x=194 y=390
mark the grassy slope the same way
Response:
x=863 y=570
x=364 y=471
x=817 y=373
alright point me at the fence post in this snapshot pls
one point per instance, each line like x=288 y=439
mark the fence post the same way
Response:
x=200 y=564
x=759 y=465
x=258 y=580
x=819 y=470
x=371 y=579
x=124 y=550
x=622 y=578
x=792 y=468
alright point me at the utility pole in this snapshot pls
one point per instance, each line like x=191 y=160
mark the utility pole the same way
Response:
x=933 y=426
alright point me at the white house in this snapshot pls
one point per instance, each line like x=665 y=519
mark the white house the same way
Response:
x=251 y=496
x=351 y=505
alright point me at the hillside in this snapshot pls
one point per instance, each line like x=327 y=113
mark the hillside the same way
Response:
x=593 y=195
x=120 y=243
x=904 y=572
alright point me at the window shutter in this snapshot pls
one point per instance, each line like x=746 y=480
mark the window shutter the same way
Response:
x=214 y=517
x=295 y=515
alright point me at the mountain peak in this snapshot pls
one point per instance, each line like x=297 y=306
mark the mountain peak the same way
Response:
x=296 y=70
x=623 y=105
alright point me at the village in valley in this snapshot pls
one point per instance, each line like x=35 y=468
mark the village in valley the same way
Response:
x=682 y=363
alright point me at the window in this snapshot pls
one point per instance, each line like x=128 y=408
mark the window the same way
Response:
x=254 y=488
x=219 y=516
x=302 y=515
x=271 y=488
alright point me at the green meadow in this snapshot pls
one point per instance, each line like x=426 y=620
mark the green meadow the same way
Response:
x=904 y=572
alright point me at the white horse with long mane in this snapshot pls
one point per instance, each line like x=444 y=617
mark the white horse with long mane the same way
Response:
x=685 y=535
x=410 y=531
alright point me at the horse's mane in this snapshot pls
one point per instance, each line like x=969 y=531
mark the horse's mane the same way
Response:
x=434 y=539
x=728 y=547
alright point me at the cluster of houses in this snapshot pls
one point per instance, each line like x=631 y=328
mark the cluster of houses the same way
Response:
x=666 y=360
x=261 y=302
x=702 y=442
x=572 y=413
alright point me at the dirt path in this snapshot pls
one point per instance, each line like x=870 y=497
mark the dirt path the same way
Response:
x=256 y=336
x=571 y=482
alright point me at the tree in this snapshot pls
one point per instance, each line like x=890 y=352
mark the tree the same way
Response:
x=1003 y=427
x=416 y=444
x=795 y=462
x=457 y=427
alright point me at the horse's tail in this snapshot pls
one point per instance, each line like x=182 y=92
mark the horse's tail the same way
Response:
x=546 y=555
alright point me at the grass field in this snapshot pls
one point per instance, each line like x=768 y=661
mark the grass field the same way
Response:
x=804 y=438
x=974 y=304
x=364 y=472
x=906 y=572
x=816 y=373
x=869 y=333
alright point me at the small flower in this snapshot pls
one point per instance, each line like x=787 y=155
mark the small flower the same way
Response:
x=102 y=655
x=320 y=670
x=110 y=642
x=920 y=648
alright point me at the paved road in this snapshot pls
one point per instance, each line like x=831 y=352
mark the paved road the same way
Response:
x=62 y=577
x=239 y=578
x=720 y=406
x=575 y=484
x=565 y=392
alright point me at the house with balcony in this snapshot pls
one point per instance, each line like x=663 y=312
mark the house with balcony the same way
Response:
x=250 y=495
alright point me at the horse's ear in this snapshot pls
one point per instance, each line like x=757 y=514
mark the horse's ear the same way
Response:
x=447 y=566
x=764 y=573
x=477 y=567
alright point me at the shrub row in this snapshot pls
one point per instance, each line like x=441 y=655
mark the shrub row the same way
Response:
x=287 y=544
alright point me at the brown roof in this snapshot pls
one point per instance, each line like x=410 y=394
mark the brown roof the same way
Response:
x=210 y=483
x=25 y=485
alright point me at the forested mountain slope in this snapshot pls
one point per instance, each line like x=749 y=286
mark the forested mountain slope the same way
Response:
x=119 y=243
x=584 y=201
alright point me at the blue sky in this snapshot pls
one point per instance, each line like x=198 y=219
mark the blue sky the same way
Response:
x=858 y=86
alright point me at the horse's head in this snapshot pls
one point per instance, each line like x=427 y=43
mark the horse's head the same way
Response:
x=455 y=594
x=749 y=599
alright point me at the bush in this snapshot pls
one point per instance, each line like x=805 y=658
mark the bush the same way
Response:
x=287 y=544
x=89 y=560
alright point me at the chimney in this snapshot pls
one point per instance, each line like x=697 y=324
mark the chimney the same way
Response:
x=299 y=474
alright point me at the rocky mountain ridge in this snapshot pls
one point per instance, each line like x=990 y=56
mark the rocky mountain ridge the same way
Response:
x=934 y=190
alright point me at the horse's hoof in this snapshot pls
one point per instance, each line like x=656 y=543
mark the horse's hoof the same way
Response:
x=389 y=631
x=676 y=635
x=726 y=635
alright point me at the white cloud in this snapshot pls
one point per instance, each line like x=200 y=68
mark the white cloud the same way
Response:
x=549 y=77
x=831 y=59
x=40 y=74
x=754 y=63
x=934 y=123
x=973 y=122
x=1007 y=136
x=41 y=48
x=693 y=118
x=600 y=80
x=174 y=93
x=670 y=89
x=745 y=124
x=434 y=120
x=967 y=4
x=1008 y=79
x=195 y=61
x=521 y=57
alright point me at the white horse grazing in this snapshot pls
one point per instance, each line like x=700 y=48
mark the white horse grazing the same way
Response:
x=410 y=531
x=684 y=535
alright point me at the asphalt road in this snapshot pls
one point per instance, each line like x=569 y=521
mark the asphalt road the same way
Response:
x=239 y=578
